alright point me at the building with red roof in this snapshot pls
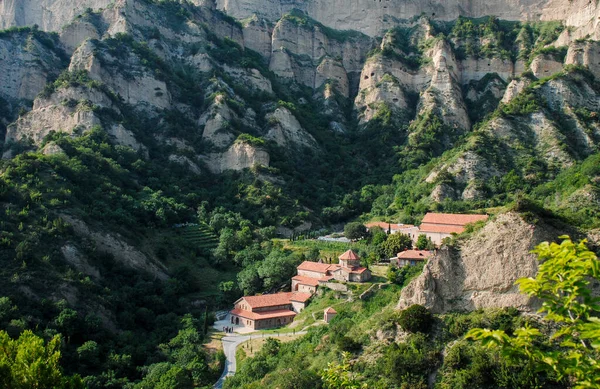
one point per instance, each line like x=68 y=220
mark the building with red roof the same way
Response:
x=329 y=314
x=411 y=257
x=268 y=310
x=438 y=226
x=394 y=228
x=349 y=268
x=279 y=309
x=312 y=274
x=308 y=284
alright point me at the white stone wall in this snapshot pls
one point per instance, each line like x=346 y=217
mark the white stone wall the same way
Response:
x=305 y=288
x=297 y=306
x=311 y=274
x=437 y=237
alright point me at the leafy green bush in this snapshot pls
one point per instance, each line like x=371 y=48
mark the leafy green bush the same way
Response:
x=251 y=140
x=355 y=231
x=563 y=284
x=416 y=318
x=524 y=103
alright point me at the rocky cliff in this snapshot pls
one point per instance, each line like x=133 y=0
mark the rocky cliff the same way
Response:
x=373 y=17
x=480 y=271
x=424 y=74
x=427 y=81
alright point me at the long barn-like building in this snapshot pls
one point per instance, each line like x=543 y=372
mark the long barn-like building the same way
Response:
x=268 y=310
x=437 y=226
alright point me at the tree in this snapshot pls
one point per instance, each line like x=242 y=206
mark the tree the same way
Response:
x=313 y=254
x=186 y=364
x=393 y=275
x=416 y=318
x=396 y=243
x=29 y=363
x=378 y=235
x=424 y=243
x=355 y=231
x=339 y=376
x=562 y=283
x=229 y=291
x=88 y=353
x=68 y=322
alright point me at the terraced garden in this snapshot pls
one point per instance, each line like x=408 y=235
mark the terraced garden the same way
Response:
x=200 y=236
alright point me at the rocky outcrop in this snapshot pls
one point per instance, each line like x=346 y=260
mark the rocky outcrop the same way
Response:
x=444 y=93
x=545 y=66
x=585 y=54
x=582 y=16
x=60 y=112
x=474 y=69
x=286 y=131
x=27 y=66
x=257 y=36
x=69 y=110
x=250 y=78
x=185 y=161
x=373 y=18
x=50 y=15
x=332 y=71
x=302 y=50
x=514 y=88
x=216 y=121
x=131 y=80
x=75 y=258
x=239 y=156
x=465 y=169
x=79 y=30
x=481 y=271
x=122 y=136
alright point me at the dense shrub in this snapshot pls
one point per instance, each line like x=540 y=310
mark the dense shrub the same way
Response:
x=416 y=318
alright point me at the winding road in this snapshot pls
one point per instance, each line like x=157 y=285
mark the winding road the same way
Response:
x=230 y=345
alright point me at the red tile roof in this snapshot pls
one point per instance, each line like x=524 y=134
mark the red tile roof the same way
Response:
x=405 y=226
x=452 y=219
x=330 y=310
x=268 y=300
x=306 y=280
x=383 y=225
x=356 y=270
x=414 y=254
x=315 y=266
x=359 y=270
x=445 y=229
x=391 y=226
x=263 y=315
x=300 y=297
x=271 y=300
x=351 y=255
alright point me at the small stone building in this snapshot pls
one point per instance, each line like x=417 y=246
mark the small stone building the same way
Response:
x=329 y=314
x=305 y=284
x=349 y=269
x=411 y=257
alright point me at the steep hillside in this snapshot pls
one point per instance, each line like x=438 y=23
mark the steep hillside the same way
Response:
x=126 y=124
x=480 y=271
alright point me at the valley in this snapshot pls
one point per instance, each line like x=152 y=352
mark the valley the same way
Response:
x=163 y=158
